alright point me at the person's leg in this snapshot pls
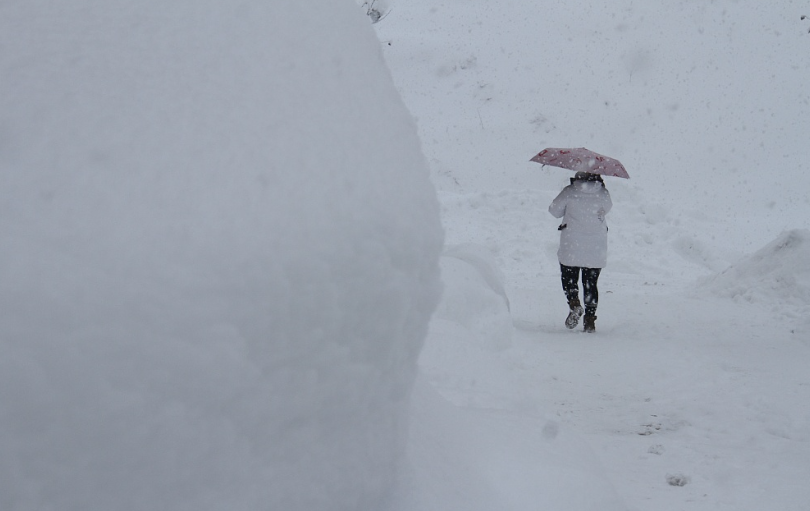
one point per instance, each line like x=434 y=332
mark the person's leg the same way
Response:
x=570 y=283
x=570 y=280
x=590 y=292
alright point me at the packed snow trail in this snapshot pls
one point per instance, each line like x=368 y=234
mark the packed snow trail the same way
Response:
x=713 y=392
x=688 y=394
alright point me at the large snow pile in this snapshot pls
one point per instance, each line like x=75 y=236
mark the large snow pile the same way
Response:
x=220 y=255
x=474 y=302
x=777 y=273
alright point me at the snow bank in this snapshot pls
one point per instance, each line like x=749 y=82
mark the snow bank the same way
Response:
x=474 y=299
x=776 y=273
x=219 y=257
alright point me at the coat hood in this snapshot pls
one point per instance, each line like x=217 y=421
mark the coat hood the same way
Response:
x=587 y=186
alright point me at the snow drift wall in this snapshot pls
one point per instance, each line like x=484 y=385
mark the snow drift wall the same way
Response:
x=219 y=257
x=474 y=303
x=776 y=273
x=777 y=276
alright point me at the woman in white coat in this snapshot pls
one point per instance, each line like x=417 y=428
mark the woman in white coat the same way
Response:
x=583 y=243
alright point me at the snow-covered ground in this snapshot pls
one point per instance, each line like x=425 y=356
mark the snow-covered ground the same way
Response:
x=694 y=392
x=221 y=251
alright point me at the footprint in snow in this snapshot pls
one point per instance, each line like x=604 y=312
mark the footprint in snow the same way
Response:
x=678 y=479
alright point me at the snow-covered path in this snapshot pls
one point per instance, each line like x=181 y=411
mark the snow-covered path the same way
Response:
x=668 y=391
x=685 y=387
x=693 y=393
x=686 y=398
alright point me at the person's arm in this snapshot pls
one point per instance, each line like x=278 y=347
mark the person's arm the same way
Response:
x=608 y=202
x=606 y=205
x=557 y=207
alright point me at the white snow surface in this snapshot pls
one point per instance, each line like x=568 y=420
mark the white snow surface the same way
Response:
x=694 y=391
x=220 y=254
x=219 y=259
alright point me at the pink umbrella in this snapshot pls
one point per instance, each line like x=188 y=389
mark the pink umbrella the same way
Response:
x=580 y=159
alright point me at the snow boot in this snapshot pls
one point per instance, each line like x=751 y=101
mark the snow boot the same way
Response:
x=576 y=312
x=589 y=323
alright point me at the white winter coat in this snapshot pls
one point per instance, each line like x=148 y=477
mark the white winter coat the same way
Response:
x=582 y=207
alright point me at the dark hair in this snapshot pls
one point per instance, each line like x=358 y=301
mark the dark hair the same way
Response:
x=587 y=176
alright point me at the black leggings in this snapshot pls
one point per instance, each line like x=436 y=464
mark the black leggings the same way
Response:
x=570 y=281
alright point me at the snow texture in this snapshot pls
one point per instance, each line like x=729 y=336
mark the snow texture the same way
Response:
x=220 y=250
x=474 y=299
x=777 y=273
x=692 y=393
x=219 y=259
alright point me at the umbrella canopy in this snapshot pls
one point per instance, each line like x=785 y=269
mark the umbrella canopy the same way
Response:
x=580 y=159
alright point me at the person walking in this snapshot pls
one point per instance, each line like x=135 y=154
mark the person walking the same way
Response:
x=582 y=205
